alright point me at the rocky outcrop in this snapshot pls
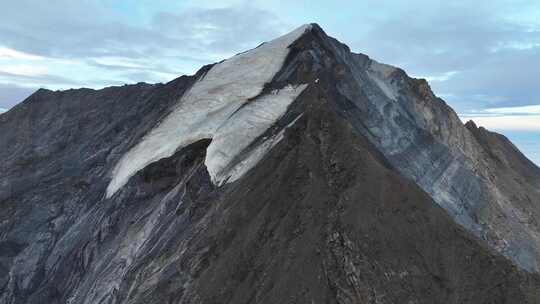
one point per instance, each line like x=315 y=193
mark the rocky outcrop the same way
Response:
x=366 y=188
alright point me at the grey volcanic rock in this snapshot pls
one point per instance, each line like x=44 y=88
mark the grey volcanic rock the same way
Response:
x=367 y=189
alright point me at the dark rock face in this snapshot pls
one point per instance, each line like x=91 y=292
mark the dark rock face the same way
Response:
x=335 y=211
x=55 y=156
x=424 y=140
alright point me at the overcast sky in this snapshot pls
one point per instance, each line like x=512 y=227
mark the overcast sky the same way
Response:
x=482 y=57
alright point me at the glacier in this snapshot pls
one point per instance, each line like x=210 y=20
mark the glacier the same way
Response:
x=213 y=108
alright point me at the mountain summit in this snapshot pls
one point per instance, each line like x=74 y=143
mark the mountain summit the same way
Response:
x=295 y=172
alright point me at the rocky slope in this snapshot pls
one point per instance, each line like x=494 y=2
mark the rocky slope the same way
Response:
x=296 y=172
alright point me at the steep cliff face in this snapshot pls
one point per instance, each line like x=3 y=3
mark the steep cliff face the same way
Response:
x=295 y=172
x=425 y=141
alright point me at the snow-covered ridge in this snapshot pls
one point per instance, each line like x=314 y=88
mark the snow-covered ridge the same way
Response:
x=212 y=108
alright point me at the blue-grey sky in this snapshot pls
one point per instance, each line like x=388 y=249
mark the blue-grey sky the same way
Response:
x=482 y=57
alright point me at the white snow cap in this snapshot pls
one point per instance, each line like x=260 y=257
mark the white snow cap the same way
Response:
x=217 y=107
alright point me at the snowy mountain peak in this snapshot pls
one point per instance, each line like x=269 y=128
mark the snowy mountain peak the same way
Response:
x=223 y=105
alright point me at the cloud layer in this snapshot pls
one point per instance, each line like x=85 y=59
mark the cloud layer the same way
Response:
x=478 y=56
x=63 y=44
x=525 y=118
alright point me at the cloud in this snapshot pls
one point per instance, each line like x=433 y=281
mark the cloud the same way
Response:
x=507 y=78
x=62 y=44
x=24 y=70
x=2 y=110
x=89 y=29
x=7 y=53
x=503 y=123
x=526 y=118
x=489 y=49
x=525 y=110
x=223 y=31
x=36 y=79
x=477 y=56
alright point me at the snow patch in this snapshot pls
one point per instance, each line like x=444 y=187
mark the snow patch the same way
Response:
x=254 y=156
x=238 y=132
x=212 y=103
